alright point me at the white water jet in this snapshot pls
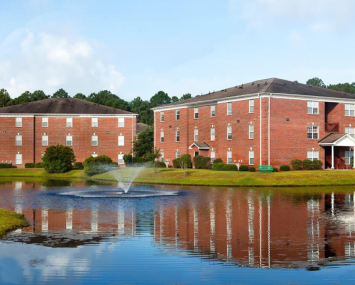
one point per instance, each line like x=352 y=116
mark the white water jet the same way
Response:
x=126 y=178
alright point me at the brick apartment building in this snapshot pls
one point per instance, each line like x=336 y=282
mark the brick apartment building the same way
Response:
x=266 y=122
x=89 y=128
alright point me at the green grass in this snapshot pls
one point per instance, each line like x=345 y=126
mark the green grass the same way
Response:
x=10 y=221
x=39 y=172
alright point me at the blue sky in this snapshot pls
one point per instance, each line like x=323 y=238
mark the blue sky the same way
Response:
x=136 y=48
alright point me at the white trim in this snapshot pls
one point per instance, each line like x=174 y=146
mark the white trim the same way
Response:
x=269 y=159
x=68 y=115
x=198 y=147
x=261 y=134
x=335 y=143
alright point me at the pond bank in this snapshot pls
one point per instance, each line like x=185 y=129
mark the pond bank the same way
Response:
x=10 y=221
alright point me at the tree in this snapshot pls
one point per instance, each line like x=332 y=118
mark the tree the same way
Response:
x=144 y=144
x=315 y=81
x=174 y=99
x=61 y=93
x=80 y=96
x=159 y=99
x=25 y=97
x=4 y=98
x=97 y=165
x=58 y=159
x=185 y=96
x=344 y=87
x=39 y=95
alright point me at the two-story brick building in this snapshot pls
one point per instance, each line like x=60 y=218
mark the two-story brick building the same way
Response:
x=26 y=130
x=266 y=122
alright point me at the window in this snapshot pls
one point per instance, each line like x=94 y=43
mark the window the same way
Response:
x=177 y=154
x=69 y=123
x=312 y=107
x=162 y=156
x=196 y=113
x=120 y=159
x=213 y=133
x=349 y=110
x=348 y=156
x=251 y=157
x=196 y=134
x=94 y=122
x=213 y=111
x=313 y=154
x=350 y=131
x=161 y=136
x=94 y=140
x=312 y=132
x=213 y=155
x=229 y=109
x=44 y=122
x=18 y=140
x=69 y=140
x=18 y=122
x=229 y=132
x=229 y=156
x=251 y=132
x=120 y=122
x=44 y=140
x=251 y=106
x=121 y=140
x=161 y=116
x=18 y=158
x=177 y=115
x=177 y=135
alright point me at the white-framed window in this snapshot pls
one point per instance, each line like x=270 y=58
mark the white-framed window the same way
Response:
x=177 y=135
x=312 y=132
x=251 y=106
x=196 y=134
x=213 y=111
x=69 y=123
x=18 y=159
x=69 y=140
x=18 y=123
x=229 y=133
x=348 y=156
x=161 y=116
x=120 y=122
x=94 y=140
x=94 y=122
x=313 y=155
x=251 y=157
x=196 y=113
x=162 y=136
x=18 y=140
x=44 y=122
x=251 y=132
x=162 y=156
x=120 y=159
x=350 y=131
x=213 y=133
x=312 y=107
x=120 y=140
x=229 y=156
x=213 y=155
x=177 y=115
x=44 y=140
x=229 y=109
x=177 y=154
x=349 y=110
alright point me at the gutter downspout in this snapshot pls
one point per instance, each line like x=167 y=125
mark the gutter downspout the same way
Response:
x=260 y=119
x=269 y=123
x=34 y=139
x=133 y=118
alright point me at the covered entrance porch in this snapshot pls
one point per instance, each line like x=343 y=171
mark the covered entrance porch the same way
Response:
x=199 y=149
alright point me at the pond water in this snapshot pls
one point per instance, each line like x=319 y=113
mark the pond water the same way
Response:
x=200 y=235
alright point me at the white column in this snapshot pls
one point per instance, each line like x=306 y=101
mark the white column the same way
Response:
x=332 y=156
x=69 y=219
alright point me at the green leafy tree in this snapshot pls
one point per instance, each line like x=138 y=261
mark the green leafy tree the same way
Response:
x=315 y=81
x=185 y=96
x=38 y=95
x=80 y=96
x=25 y=97
x=343 y=87
x=58 y=159
x=159 y=99
x=174 y=99
x=97 y=165
x=61 y=93
x=4 y=98
x=144 y=144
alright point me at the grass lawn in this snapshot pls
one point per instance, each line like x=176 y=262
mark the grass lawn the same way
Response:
x=10 y=221
x=39 y=172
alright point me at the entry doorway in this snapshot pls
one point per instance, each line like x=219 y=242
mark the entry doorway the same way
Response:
x=196 y=153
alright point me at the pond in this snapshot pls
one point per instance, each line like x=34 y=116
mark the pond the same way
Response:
x=200 y=235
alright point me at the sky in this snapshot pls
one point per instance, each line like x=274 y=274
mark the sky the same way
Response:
x=139 y=47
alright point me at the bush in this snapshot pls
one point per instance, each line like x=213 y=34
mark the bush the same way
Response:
x=78 y=165
x=202 y=162
x=218 y=160
x=29 y=165
x=224 y=167
x=5 y=165
x=186 y=158
x=317 y=164
x=251 y=169
x=296 y=164
x=97 y=165
x=275 y=169
x=58 y=159
x=176 y=162
x=307 y=164
x=114 y=164
x=285 y=168
x=160 y=164
x=244 y=168
x=39 y=165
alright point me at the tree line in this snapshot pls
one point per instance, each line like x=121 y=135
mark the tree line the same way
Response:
x=344 y=87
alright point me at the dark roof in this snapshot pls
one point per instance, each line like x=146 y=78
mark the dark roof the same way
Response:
x=141 y=127
x=332 y=137
x=200 y=145
x=62 y=106
x=271 y=85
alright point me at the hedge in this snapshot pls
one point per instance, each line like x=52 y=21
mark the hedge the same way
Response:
x=160 y=164
x=5 y=165
x=296 y=164
x=29 y=165
x=39 y=165
x=244 y=168
x=275 y=169
x=285 y=167
x=78 y=165
x=186 y=158
x=202 y=162
x=97 y=165
x=224 y=167
x=307 y=164
x=218 y=160
x=251 y=169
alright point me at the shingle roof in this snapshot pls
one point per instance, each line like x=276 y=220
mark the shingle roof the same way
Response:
x=200 y=145
x=272 y=85
x=141 y=127
x=62 y=106
x=331 y=138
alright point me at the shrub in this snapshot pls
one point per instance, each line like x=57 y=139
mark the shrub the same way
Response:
x=58 y=159
x=160 y=164
x=307 y=164
x=39 y=165
x=285 y=167
x=317 y=164
x=202 y=162
x=5 y=165
x=218 y=160
x=251 y=169
x=224 y=167
x=97 y=165
x=176 y=162
x=296 y=164
x=29 y=165
x=275 y=169
x=186 y=158
x=114 y=164
x=128 y=159
x=78 y=165
x=244 y=168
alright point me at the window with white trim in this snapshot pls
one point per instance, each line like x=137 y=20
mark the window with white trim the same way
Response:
x=229 y=109
x=177 y=135
x=349 y=109
x=313 y=107
x=213 y=111
x=18 y=140
x=196 y=134
x=350 y=131
x=196 y=113
x=177 y=154
x=251 y=132
x=120 y=122
x=162 y=156
x=18 y=159
x=229 y=156
x=94 y=122
x=312 y=132
x=213 y=155
x=162 y=136
x=213 y=133
x=229 y=133
x=44 y=122
x=18 y=123
x=348 y=156
x=251 y=157
x=120 y=159
x=161 y=116
x=94 y=140
x=251 y=106
x=69 y=123
x=313 y=155
x=120 y=140
x=69 y=140
x=44 y=140
x=177 y=115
